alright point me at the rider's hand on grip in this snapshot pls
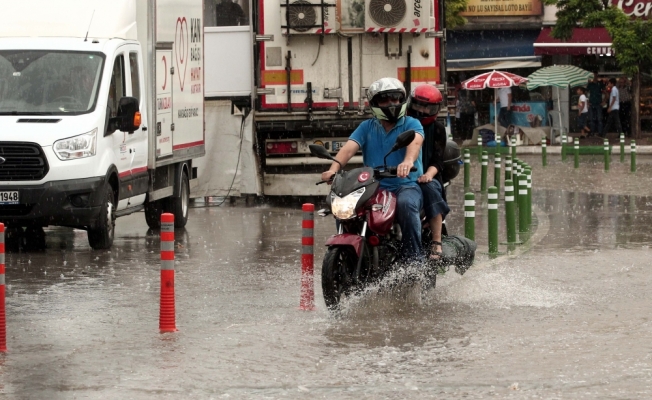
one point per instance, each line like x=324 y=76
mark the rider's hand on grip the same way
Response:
x=327 y=177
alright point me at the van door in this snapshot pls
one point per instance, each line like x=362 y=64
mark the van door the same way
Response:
x=163 y=102
x=138 y=140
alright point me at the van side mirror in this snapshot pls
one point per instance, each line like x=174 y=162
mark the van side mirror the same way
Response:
x=128 y=117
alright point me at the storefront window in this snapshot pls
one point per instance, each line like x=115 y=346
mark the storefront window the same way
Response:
x=226 y=12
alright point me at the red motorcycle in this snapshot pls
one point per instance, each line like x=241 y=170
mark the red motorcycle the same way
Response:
x=367 y=244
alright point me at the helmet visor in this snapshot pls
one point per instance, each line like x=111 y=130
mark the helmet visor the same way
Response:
x=423 y=108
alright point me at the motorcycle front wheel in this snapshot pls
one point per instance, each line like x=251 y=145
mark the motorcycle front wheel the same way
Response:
x=337 y=275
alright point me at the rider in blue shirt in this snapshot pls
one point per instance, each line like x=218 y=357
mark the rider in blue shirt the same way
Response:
x=375 y=137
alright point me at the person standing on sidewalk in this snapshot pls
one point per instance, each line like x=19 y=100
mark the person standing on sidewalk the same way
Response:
x=583 y=113
x=595 y=88
x=505 y=114
x=624 y=89
x=613 y=109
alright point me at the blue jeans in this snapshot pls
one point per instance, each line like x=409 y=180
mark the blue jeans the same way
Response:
x=504 y=117
x=595 y=116
x=433 y=200
x=409 y=201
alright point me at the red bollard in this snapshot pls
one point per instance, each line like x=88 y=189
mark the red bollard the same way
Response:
x=167 y=316
x=307 y=258
x=3 y=319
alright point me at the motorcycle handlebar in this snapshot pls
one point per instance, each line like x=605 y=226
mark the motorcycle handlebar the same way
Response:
x=381 y=172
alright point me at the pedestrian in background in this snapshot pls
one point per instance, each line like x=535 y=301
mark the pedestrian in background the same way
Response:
x=595 y=88
x=505 y=116
x=613 y=109
x=583 y=113
x=625 y=91
x=467 y=114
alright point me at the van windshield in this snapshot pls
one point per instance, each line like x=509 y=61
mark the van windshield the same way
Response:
x=44 y=82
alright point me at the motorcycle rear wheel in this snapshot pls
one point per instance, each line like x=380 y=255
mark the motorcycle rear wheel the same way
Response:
x=337 y=275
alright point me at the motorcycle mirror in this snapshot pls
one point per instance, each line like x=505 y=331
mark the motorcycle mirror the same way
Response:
x=403 y=140
x=320 y=151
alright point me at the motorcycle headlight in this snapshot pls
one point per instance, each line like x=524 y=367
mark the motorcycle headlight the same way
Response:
x=75 y=147
x=344 y=207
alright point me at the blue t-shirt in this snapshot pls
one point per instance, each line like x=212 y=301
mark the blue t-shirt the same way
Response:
x=375 y=143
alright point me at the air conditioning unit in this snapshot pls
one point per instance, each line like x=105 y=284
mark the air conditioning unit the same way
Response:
x=299 y=17
x=397 y=16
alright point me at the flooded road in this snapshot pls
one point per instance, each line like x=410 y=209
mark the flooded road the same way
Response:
x=565 y=316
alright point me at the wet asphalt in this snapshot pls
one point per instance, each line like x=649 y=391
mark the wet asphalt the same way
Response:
x=565 y=315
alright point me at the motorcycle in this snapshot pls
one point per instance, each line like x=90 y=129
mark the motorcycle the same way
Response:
x=368 y=241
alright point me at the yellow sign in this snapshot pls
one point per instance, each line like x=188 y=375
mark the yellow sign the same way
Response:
x=487 y=8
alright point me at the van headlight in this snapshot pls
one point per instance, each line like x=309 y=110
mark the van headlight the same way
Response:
x=344 y=207
x=80 y=146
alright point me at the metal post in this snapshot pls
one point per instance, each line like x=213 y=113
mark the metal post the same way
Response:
x=497 y=162
x=483 y=176
x=633 y=153
x=510 y=212
x=307 y=299
x=622 y=147
x=544 y=153
x=522 y=204
x=467 y=168
x=576 y=149
x=563 y=146
x=479 y=147
x=508 y=167
x=492 y=212
x=606 y=154
x=528 y=176
x=469 y=216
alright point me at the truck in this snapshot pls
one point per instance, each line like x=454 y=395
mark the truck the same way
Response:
x=101 y=112
x=313 y=62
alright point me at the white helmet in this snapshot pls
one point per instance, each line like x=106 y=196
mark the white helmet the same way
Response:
x=383 y=88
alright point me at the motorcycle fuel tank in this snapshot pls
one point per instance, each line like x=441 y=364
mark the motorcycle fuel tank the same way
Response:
x=383 y=210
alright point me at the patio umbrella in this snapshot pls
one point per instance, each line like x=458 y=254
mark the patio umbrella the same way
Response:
x=559 y=76
x=493 y=80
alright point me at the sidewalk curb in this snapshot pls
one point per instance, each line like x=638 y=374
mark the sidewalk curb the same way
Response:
x=556 y=149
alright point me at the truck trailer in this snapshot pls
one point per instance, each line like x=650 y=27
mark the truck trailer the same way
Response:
x=101 y=112
x=314 y=60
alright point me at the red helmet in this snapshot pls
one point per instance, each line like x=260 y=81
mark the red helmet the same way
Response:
x=424 y=103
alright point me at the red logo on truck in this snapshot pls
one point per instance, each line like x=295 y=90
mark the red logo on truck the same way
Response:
x=182 y=47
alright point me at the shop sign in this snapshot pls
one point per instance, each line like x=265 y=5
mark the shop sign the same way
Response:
x=640 y=9
x=531 y=114
x=490 y=8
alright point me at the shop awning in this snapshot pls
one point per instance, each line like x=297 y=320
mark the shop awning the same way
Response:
x=480 y=50
x=583 y=41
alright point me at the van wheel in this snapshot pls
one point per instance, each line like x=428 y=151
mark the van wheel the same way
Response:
x=153 y=211
x=179 y=204
x=100 y=236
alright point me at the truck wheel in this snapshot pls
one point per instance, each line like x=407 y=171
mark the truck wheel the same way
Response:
x=179 y=205
x=153 y=211
x=100 y=236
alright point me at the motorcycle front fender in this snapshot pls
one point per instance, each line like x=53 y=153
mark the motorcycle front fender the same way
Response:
x=347 y=239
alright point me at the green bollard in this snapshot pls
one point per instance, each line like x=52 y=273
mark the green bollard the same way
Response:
x=633 y=153
x=492 y=212
x=515 y=178
x=576 y=149
x=513 y=147
x=606 y=154
x=479 y=148
x=497 y=162
x=544 y=153
x=467 y=168
x=622 y=147
x=522 y=204
x=563 y=147
x=469 y=216
x=508 y=167
x=528 y=175
x=510 y=212
x=483 y=176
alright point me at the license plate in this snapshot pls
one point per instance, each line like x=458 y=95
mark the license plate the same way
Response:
x=338 y=145
x=9 y=197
